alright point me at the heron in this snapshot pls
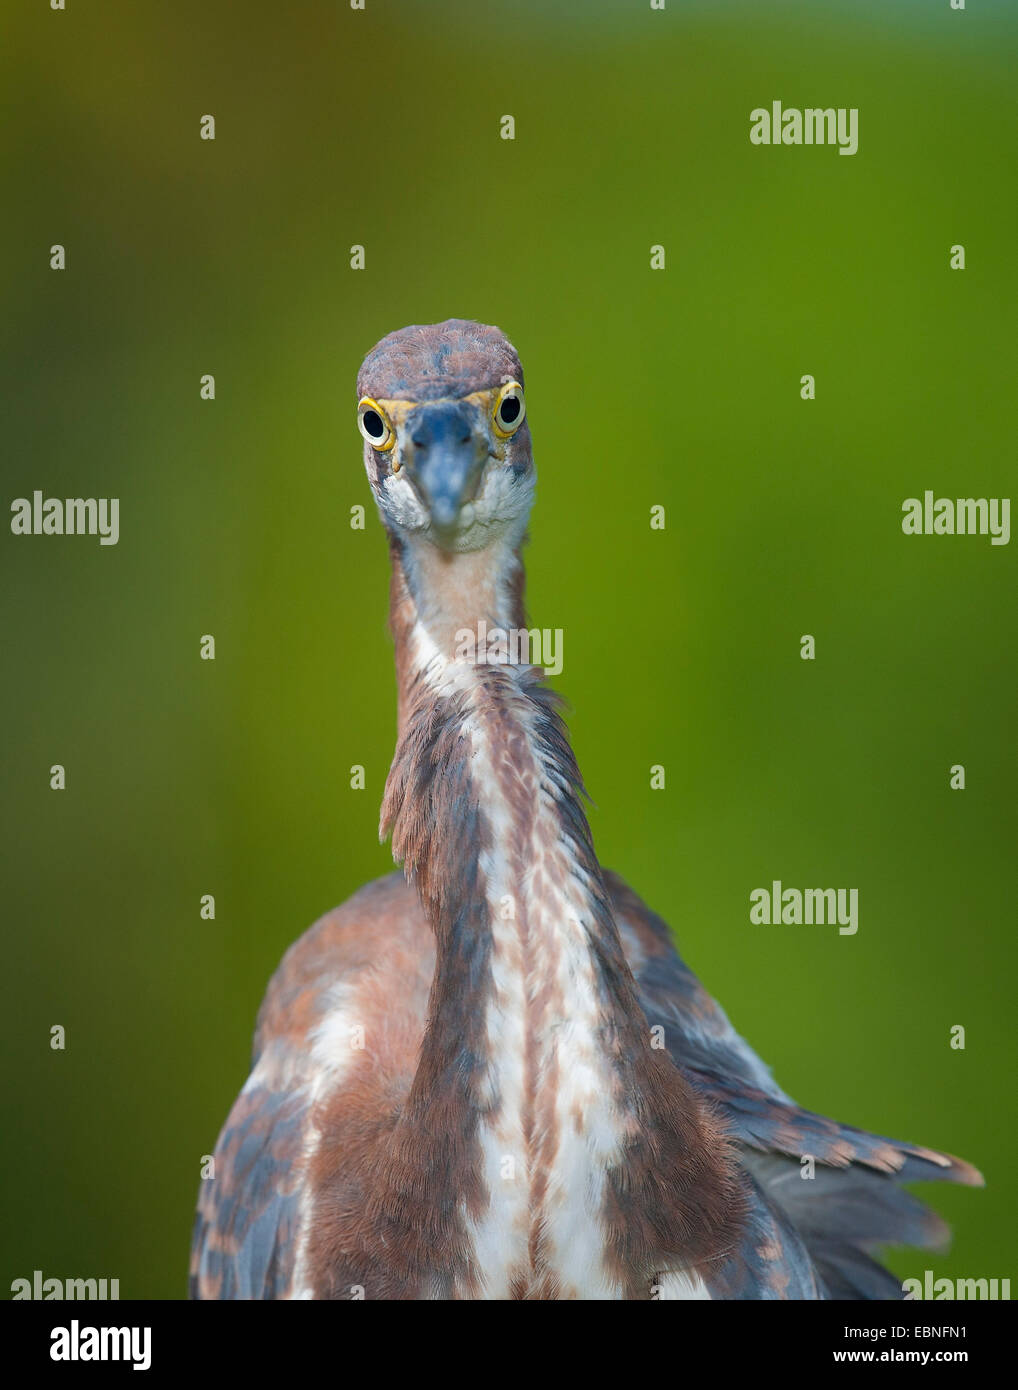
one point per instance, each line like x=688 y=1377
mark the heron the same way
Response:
x=490 y=1075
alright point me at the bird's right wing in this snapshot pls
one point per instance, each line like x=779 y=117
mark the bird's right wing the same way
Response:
x=247 y=1228
x=254 y=1213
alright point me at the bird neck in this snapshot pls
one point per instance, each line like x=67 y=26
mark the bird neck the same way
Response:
x=573 y=1152
x=435 y=598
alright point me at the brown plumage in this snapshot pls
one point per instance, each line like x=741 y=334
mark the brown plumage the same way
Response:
x=494 y=1077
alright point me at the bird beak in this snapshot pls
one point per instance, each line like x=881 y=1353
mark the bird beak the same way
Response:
x=446 y=451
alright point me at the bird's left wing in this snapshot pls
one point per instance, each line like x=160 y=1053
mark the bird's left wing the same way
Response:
x=853 y=1205
x=693 y=1024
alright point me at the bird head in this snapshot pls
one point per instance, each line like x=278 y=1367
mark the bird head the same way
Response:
x=446 y=441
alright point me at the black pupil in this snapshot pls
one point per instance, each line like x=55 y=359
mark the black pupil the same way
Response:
x=510 y=409
x=373 y=424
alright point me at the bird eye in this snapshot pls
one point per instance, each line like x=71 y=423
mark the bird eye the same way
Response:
x=373 y=425
x=509 y=410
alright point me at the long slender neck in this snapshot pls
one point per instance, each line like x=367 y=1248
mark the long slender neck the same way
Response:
x=573 y=1158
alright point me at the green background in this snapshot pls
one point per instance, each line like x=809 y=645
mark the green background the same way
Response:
x=678 y=387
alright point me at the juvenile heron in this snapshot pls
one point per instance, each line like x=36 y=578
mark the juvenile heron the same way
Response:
x=457 y=1090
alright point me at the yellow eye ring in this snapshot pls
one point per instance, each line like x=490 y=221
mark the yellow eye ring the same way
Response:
x=509 y=410
x=373 y=424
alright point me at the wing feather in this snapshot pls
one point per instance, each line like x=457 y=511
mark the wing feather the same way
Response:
x=246 y=1231
x=851 y=1206
x=253 y=1214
